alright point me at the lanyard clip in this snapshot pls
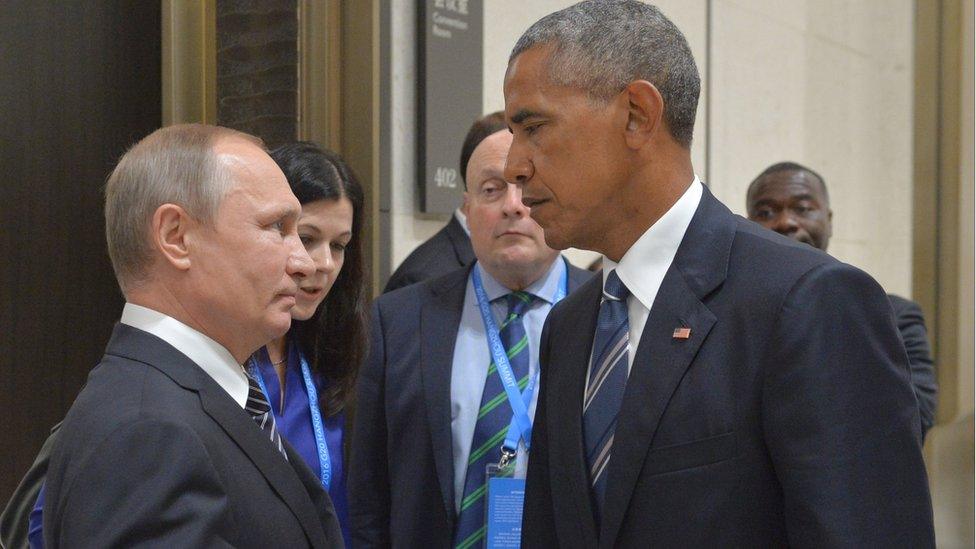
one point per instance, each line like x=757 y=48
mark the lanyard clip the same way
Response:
x=507 y=456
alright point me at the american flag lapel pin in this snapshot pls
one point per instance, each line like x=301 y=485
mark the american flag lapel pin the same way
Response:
x=681 y=333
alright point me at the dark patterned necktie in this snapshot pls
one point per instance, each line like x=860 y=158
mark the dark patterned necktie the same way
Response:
x=257 y=405
x=494 y=417
x=605 y=388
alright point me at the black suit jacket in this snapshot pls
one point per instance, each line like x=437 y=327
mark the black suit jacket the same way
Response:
x=401 y=480
x=785 y=419
x=155 y=452
x=446 y=251
x=911 y=326
x=16 y=515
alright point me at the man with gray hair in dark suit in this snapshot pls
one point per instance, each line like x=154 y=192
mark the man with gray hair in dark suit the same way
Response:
x=171 y=443
x=691 y=396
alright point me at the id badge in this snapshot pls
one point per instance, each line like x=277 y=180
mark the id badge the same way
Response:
x=506 y=495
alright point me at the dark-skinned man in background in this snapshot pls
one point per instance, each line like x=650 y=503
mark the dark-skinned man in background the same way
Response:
x=792 y=200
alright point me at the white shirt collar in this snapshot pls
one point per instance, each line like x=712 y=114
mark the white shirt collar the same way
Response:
x=463 y=220
x=544 y=288
x=210 y=356
x=643 y=267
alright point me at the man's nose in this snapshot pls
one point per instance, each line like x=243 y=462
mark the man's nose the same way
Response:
x=512 y=206
x=299 y=264
x=785 y=223
x=518 y=168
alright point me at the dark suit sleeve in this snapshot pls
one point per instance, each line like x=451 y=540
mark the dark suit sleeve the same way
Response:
x=149 y=482
x=369 y=481
x=840 y=419
x=911 y=326
x=15 y=517
x=538 y=520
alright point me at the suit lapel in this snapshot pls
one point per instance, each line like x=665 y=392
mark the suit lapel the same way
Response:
x=661 y=361
x=659 y=365
x=577 y=276
x=569 y=358
x=460 y=241
x=439 y=319
x=144 y=347
x=280 y=474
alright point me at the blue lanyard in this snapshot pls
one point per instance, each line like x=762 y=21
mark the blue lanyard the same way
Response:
x=318 y=427
x=521 y=425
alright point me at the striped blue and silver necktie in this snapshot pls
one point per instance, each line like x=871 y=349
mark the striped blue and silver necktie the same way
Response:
x=257 y=405
x=606 y=384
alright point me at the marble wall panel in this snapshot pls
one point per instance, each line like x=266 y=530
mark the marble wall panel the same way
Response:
x=827 y=84
x=257 y=68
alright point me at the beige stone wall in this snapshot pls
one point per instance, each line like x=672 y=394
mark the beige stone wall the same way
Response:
x=824 y=82
x=827 y=84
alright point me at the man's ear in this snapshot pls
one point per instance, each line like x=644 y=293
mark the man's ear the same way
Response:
x=170 y=224
x=464 y=205
x=645 y=112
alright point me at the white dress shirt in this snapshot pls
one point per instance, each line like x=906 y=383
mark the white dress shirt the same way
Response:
x=643 y=266
x=472 y=358
x=210 y=356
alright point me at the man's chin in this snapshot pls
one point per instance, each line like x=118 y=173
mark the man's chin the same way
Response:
x=555 y=239
x=278 y=326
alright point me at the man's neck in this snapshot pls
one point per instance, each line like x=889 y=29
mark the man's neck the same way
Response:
x=642 y=203
x=517 y=279
x=159 y=298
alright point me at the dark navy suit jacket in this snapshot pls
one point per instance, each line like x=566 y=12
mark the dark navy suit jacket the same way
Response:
x=785 y=419
x=155 y=452
x=401 y=475
x=446 y=251
x=911 y=326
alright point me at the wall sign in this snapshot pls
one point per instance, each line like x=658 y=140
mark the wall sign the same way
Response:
x=450 y=89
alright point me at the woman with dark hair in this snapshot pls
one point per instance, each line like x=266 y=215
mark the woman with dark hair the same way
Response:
x=309 y=374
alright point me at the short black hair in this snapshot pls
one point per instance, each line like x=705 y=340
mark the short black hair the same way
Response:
x=483 y=127
x=788 y=166
x=601 y=46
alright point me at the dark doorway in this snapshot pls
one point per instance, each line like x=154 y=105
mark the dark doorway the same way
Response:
x=79 y=83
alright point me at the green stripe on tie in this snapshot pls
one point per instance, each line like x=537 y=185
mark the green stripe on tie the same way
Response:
x=499 y=398
x=472 y=539
x=488 y=445
x=508 y=320
x=473 y=496
x=517 y=348
x=510 y=353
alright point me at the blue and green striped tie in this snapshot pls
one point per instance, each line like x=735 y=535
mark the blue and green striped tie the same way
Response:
x=492 y=426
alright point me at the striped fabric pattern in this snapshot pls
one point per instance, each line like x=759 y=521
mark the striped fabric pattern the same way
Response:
x=492 y=426
x=257 y=405
x=605 y=385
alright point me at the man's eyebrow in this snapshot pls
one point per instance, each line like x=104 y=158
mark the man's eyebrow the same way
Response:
x=488 y=173
x=761 y=202
x=281 y=212
x=522 y=115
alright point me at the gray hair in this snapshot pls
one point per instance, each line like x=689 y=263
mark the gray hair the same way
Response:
x=603 y=45
x=172 y=165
